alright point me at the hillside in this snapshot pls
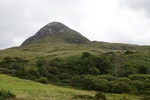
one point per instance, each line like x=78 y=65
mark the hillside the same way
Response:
x=29 y=90
x=59 y=55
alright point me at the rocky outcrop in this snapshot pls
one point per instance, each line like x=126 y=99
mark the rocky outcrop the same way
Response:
x=52 y=28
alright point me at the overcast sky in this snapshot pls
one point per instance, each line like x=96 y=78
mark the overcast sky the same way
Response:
x=123 y=21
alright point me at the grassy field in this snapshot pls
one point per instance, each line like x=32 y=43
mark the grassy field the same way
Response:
x=29 y=90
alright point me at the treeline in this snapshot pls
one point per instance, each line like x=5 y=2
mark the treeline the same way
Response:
x=109 y=72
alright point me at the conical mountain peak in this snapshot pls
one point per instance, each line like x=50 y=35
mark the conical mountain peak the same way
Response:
x=56 y=31
x=54 y=27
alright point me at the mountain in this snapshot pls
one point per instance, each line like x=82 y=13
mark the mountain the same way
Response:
x=56 y=32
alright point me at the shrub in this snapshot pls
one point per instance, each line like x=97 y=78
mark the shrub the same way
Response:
x=65 y=76
x=145 y=98
x=143 y=69
x=139 y=85
x=5 y=95
x=129 y=52
x=54 y=70
x=83 y=97
x=100 y=96
x=126 y=69
x=93 y=71
x=76 y=81
x=43 y=80
x=107 y=77
x=88 y=82
x=124 y=79
x=121 y=87
x=139 y=77
x=101 y=85
x=86 y=54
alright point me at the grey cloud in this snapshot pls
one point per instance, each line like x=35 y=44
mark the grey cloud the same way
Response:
x=4 y=38
x=20 y=19
x=137 y=4
x=23 y=18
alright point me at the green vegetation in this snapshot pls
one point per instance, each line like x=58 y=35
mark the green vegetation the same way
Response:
x=98 y=96
x=30 y=90
x=62 y=37
x=95 y=72
x=96 y=66
x=5 y=95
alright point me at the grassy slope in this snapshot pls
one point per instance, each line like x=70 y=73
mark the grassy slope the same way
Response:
x=61 y=49
x=48 y=50
x=29 y=90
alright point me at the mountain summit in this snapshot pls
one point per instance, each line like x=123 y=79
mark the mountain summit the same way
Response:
x=56 y=32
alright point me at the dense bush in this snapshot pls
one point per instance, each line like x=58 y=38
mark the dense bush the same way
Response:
x=140 y=77
x=93 y=71
x=76 y=81
x=121 y=87
x=146 y=97
x=143 y=69
x=84 y=97
x=13 y=66
x=107 y=77
x=139 y=85
x=129 y=52
x=5 y=95
x=42 y=80
x=100 y=96
x=124 y=79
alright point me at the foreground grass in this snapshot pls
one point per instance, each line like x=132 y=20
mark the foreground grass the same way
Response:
x=29 y=90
